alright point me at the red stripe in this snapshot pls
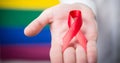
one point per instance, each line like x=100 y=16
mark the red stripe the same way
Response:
x=25 y=52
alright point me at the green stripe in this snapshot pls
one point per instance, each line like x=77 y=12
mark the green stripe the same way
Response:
x=17 y=18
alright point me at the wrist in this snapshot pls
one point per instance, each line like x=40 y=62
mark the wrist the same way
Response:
x=88 y=3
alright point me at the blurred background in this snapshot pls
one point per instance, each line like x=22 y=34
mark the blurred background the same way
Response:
x=15 y=47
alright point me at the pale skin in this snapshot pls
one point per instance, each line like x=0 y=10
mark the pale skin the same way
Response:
x=57 y=17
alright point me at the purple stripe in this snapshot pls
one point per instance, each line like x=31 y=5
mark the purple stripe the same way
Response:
x=25 y=52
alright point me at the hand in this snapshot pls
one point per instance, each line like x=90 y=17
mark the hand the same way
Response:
x=57 y=17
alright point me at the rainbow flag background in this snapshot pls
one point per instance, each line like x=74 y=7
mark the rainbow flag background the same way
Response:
x=15 y=15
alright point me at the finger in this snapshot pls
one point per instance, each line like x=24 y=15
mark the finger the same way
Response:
x=69 y=55
x=92 y=52
x=81 y=56
x=56 y=54
x=36 y=25
x=91 y=47
x=91 y=36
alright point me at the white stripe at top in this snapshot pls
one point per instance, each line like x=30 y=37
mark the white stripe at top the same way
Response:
x=89 y=3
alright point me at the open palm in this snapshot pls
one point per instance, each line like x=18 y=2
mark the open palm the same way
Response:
x=57 y=17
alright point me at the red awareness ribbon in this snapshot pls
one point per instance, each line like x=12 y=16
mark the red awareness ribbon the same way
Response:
x=74 y=30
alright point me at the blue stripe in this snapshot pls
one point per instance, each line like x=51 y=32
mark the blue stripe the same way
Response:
x=16 y=35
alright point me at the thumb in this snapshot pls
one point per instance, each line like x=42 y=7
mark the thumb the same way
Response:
x=37 y=25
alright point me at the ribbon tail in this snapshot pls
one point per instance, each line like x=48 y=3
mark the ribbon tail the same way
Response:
x=66 y=40
x=82 y=40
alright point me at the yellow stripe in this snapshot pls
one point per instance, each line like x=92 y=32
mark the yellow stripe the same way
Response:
x=27 y=4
